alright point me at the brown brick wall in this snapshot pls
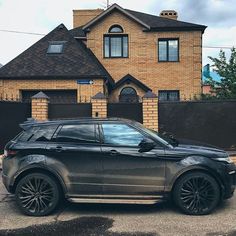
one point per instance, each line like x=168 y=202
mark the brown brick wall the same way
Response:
x=150 y=113
x=143 y=63
x=12 y=88
x=39 y=109
x=99 y=108
x=81 y=17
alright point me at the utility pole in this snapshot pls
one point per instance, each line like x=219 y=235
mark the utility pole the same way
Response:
x=108 y=3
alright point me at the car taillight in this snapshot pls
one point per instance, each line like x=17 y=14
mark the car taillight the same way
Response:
x=9 y=153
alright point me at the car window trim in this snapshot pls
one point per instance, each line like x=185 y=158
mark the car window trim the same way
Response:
x=54 y=137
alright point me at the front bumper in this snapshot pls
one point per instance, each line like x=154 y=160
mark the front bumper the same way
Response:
x=6 y=182
x=230 y=181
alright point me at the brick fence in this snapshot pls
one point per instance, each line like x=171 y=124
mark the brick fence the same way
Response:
x=99 y=108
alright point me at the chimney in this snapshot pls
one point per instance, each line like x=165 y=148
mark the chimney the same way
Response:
x=171 y=14
x=82 y=17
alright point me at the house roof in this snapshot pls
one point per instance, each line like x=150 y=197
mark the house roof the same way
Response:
x=149 y=22
x=158 y=23
x=76 y=61
x=129 y=78
x=78 y=32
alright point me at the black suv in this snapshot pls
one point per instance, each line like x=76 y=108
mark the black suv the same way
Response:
x=112 y=161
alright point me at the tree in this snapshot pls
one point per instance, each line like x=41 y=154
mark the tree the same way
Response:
x=226 y=88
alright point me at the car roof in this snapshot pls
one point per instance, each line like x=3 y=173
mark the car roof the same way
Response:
x=32 y=122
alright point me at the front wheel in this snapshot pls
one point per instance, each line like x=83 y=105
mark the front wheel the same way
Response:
x=196 y=193
x=37 y=194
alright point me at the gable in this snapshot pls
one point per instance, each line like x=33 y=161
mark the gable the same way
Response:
x=149 y=22
x=75 y=61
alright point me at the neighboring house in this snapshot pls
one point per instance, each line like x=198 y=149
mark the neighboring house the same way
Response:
x=119 y=52
x=207 y=73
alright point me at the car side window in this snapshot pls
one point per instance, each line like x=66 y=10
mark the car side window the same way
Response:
x=79 y=133
x=38 y=134
x=121 y=134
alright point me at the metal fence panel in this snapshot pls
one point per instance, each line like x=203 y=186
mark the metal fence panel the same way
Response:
x=212 y=122
x=57 y=111
x=133 y=111
x=11 y=115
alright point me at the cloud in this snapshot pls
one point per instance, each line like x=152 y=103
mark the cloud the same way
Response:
x=42 y=16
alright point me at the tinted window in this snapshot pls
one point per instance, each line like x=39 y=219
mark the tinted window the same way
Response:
x=168 y=49
x=168 y=95
x=121 y=134
x=37 y=134
x=116 y=46
x=82 y=133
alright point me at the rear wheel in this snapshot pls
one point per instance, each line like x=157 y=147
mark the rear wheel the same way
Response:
x=37 y=194
x=196 y=193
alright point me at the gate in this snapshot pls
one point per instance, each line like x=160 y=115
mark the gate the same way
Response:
x=57 y=111
x=133 y=111
x=12 y=114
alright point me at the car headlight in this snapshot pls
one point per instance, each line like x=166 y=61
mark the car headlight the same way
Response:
x=224 y=159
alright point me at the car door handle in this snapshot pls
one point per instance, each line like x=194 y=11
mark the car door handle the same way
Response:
x=57 y=149
x=114 y=153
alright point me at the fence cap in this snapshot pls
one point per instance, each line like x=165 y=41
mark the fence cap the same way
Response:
x=40 y=95
x=99 y=96
x=150 y=94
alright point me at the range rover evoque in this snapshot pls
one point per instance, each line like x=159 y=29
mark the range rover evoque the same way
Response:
x=112 y=161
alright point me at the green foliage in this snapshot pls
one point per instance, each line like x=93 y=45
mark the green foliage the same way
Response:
x=226 y=88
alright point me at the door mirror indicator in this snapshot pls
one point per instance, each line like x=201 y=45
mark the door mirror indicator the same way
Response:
x=146 y=145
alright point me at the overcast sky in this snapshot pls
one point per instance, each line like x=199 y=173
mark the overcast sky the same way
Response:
x=41 y=16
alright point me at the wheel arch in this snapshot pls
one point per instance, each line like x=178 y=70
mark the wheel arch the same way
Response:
x=42 y=170
x=198 y=169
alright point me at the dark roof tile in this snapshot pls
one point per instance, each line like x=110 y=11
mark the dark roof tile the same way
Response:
x=161 y=23
x=76 y=60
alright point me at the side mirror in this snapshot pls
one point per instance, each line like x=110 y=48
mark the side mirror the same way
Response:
x=146 y=145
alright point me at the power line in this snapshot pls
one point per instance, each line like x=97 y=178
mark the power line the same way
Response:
x=31 y=33
x=218 y=47
x=21 y=32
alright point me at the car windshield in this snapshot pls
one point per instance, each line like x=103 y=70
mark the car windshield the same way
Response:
x=164 y=140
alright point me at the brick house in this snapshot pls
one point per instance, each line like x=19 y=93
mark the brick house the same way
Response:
x=118 y=52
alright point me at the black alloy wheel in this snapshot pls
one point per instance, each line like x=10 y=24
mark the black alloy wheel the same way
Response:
x=37 y=194
x=197 y=193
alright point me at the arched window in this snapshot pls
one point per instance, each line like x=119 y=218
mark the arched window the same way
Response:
x=116 y=29
x=115 y=43
x=128 y=94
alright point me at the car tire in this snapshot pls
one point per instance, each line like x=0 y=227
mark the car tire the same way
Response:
x=196 y=193
x=37 y=194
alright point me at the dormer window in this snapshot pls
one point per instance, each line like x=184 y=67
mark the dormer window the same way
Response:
x=115 y=43
x=55 y=47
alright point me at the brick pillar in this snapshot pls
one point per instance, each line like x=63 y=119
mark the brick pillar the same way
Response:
x=150 y=111
x=39 y=104
x=99 y=105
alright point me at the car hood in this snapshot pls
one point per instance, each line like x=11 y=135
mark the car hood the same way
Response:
x=206 y=151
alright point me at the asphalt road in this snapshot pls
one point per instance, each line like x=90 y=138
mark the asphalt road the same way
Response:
x=115 y=220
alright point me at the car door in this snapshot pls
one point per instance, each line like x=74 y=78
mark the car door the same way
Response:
x=127 y=171
x=76 y=152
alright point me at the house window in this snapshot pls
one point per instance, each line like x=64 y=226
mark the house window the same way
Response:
x=116 y=29
x=128 y=94
x=168 y=95
x=55 y=47
x=115 y=43
x=168 y=50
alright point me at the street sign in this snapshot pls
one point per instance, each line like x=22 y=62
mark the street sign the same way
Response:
x=84 y=81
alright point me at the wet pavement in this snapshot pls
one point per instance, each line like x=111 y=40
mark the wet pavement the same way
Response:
x=115 y=220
